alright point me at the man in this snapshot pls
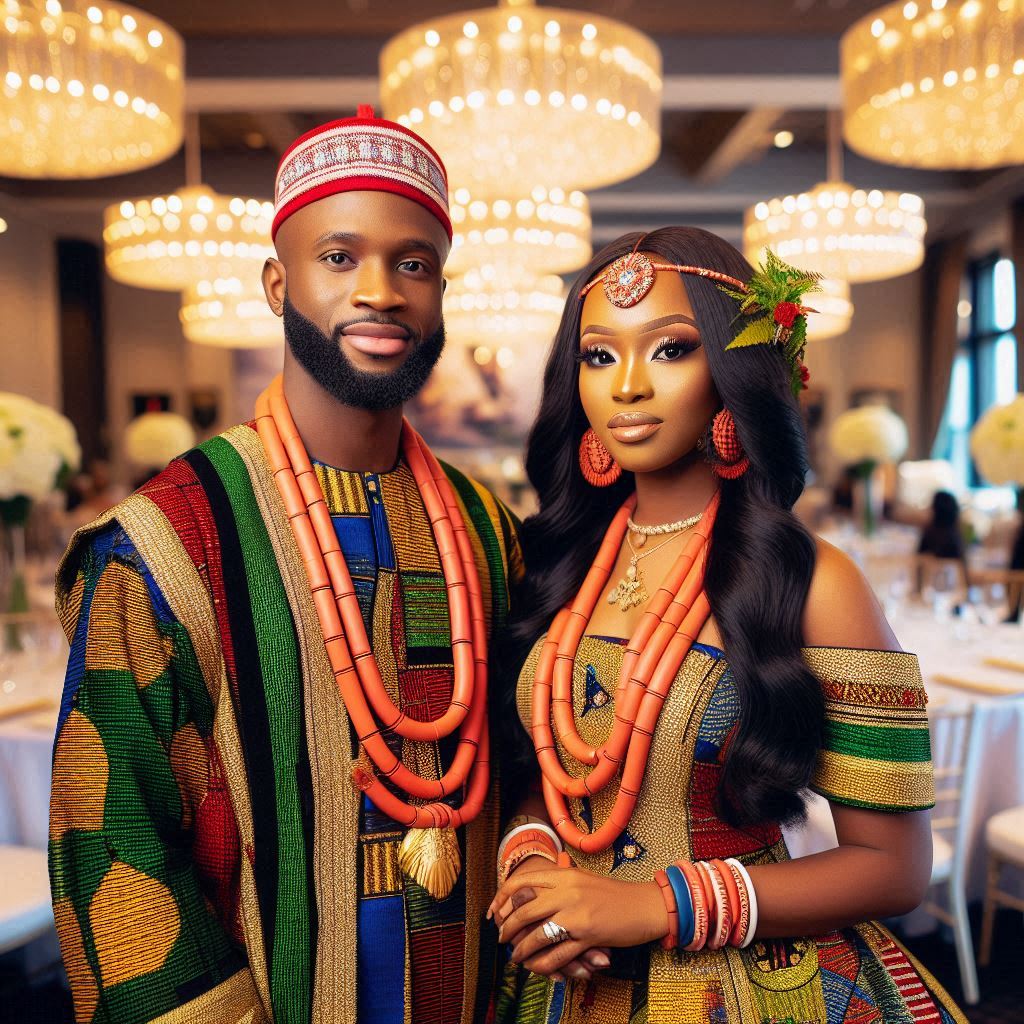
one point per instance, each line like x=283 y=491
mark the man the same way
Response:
x=219 y=851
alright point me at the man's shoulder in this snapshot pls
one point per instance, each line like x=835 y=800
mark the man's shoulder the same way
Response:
x=163 y=500
x=478 y=497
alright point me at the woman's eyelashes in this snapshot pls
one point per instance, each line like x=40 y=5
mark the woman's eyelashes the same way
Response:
x=666 y=351
x=670 y=349
x=595 y=355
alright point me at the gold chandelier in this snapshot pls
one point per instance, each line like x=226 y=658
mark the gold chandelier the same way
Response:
x=837 y=230
x=499 y=312
x=229 y=312
x=88 y=87
x=548 y=231
x=840 y=231
x=833 y=310
x=936 y=83
x=517 y=96
x=195 y=234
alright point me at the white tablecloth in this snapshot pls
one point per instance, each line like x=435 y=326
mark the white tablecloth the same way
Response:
x=30 y=687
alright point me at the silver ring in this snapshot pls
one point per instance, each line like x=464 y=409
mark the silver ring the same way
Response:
x=554 y=932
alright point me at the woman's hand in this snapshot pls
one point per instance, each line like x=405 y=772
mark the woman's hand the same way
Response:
x=595 y=910
x=583 y=967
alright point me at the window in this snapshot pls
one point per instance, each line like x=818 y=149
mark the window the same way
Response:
x=984 y=369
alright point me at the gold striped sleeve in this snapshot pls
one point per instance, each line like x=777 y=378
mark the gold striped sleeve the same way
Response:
x=876 y=752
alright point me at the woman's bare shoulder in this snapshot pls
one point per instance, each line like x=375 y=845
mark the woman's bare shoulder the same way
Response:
x=841 y=608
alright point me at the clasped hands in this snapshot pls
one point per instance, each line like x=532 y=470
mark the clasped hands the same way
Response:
x=598 y=913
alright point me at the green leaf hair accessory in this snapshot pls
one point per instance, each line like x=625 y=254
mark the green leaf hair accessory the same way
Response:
x=771 y=307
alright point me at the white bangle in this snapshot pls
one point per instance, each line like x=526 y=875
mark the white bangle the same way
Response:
x=537 y=826
x=752 y=895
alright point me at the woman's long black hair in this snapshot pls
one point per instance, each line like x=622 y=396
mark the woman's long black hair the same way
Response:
x=761 y=558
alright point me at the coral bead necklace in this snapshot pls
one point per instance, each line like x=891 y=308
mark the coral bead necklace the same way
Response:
x=662 y=639
x=430 y=850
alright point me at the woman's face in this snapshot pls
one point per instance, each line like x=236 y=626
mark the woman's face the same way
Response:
x=644 y=381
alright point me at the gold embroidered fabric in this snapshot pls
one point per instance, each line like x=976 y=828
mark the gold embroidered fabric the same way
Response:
x=877 y=752
x=676 y=818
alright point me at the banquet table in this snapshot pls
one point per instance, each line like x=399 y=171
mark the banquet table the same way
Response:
x=30 y=689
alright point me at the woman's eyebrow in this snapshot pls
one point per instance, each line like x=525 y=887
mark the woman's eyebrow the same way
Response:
x=651 y=325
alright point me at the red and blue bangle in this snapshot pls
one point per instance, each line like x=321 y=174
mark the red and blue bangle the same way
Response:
x=671 y=939
x=684 y=905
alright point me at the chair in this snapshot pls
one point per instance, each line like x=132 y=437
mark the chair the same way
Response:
x=945 y=575
x=955 y=764
x=25 y=910
x=1004 y=838
x=1012 y=580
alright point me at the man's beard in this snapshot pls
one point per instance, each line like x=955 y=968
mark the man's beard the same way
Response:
x=324 y=360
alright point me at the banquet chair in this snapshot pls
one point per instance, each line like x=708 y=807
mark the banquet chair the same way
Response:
x=25 y=910
x=1004 y=840
x=1014 y=583
x=955 y=758
x=948 y=575
x=1011 y=579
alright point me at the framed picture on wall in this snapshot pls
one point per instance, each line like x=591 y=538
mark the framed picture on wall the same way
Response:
x=204 y=407
x=149 y=401
x=892 y=398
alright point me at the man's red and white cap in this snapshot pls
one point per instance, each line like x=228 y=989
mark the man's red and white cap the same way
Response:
x=360 y=154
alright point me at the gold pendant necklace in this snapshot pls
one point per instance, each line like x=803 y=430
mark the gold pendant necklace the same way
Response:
x=630 y=590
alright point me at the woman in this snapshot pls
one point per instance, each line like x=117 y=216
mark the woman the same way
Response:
x=942 y=537
x=716 y=661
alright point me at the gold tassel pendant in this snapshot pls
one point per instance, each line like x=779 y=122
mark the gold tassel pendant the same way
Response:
x=431 y=857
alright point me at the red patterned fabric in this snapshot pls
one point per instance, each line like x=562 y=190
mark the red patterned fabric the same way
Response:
x=709 y=835
x=916 y=997
x=216 y=849
x=180 y=497
x=426 y=692
x=437 y=975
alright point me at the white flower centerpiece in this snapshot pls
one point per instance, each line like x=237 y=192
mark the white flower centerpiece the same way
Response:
x=997 y=444
x=38 y=452
x=154 y=438
x=864 y=438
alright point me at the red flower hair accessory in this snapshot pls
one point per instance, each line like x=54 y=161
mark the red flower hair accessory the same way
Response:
x=771 y=312
x=785 y=313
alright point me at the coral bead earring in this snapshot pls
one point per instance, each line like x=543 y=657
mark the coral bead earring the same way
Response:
x=596 y=463
x=734 y=462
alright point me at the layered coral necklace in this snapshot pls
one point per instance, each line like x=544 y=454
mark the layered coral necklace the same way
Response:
x=662 y=639
x=430 y=850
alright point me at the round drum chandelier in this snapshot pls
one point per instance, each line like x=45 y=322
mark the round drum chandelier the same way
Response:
x=936 y=83
x=833 y=310
x=517 y=96
x=88 y=87
x=229 y=312
x=840 y=231
x=548 y=231
x=497 y=312
x=195 y=234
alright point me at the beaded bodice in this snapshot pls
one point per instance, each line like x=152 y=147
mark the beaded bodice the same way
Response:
x=675 y=817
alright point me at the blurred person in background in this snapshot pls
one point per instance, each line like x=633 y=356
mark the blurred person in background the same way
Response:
x=1016 y=593
x=943 y=536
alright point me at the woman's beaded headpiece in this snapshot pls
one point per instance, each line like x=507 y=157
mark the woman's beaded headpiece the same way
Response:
x=770 y=313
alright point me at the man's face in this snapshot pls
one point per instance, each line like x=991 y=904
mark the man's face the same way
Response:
x=358 y=281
